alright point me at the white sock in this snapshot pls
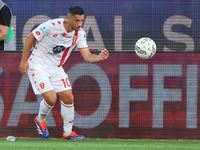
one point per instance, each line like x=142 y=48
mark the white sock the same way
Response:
x=67 y=113
x=44 y=110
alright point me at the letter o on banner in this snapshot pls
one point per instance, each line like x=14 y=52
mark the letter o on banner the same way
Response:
x=94 y=71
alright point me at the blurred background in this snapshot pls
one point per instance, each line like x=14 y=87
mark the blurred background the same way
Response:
x=117 y=25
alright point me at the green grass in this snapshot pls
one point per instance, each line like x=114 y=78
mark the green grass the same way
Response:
x=97 y=144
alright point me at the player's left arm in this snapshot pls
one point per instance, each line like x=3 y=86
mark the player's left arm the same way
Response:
x=92 y=58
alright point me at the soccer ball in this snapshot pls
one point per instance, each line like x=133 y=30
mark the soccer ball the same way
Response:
x=145 y=48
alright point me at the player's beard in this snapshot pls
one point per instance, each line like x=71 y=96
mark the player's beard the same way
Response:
x=72 y=26
x=76 y=29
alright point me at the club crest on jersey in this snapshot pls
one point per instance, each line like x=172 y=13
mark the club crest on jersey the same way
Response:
x=74 y=40
x=58 y=49
x=42 y=85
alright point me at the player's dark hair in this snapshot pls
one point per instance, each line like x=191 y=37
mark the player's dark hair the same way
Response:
x=76 y=10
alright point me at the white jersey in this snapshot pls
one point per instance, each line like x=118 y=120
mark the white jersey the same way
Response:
x=55 y=44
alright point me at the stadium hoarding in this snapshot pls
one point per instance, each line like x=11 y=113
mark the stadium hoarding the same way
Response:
x=117 y=25
x=123 y=97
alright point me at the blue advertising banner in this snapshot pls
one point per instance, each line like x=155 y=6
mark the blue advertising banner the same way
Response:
x=118 y=24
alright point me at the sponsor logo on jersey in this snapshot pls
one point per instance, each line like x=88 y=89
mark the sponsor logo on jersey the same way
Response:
x=58 y=49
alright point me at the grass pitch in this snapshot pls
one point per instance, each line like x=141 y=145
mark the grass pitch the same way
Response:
x=97 y=144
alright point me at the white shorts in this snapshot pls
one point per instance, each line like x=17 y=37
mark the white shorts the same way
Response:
x=45 y=79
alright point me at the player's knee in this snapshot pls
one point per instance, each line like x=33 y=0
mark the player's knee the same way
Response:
x=51 y=102
x=51 y=99
x=68 y=99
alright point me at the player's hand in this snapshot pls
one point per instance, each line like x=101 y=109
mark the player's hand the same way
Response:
x=104 y=54
x=23 y=67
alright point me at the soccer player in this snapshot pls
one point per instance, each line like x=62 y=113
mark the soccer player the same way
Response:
x=55 y=41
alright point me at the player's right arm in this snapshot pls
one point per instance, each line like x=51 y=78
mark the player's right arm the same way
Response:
x=23 y=67
x=37 y=34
